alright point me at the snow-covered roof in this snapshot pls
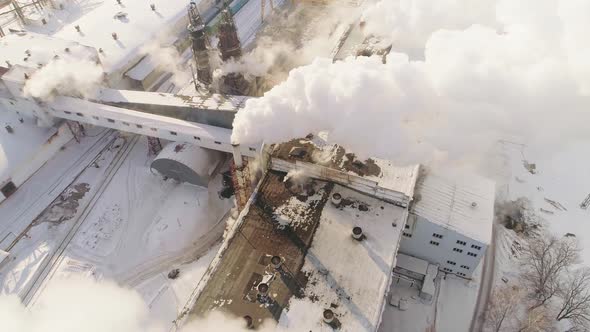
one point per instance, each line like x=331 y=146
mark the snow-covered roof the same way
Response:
x=202 y=101
x=140 y=26
x=15 y=49
x=464 y=205
x=249 y=18
x=333 y=162
x=411 y=263
x=142 y=69
x=349 y=277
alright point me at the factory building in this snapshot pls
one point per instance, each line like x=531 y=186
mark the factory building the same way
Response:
x=450 y=222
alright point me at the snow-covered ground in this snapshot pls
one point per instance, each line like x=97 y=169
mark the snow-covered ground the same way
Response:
x=115 y=220
x=561 y=177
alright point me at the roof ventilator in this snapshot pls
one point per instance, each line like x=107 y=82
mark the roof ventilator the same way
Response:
x=357 y=233
x=262 y=292
x=276 y=262
x=336 y=199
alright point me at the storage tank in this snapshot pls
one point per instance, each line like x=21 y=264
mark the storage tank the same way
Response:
x=187 y=163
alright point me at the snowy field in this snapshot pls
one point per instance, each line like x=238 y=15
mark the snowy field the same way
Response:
x=115 y=220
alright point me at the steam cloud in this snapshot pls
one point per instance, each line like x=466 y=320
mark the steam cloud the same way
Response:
x=81 y=304
x=78 y=304
x=521 y=74
x=74 y=74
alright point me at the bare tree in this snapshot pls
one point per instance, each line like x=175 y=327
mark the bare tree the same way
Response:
x=544 y=260
x=575 y=296
x=502 y=306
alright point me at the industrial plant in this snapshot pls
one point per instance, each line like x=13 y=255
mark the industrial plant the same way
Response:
x=121 y=162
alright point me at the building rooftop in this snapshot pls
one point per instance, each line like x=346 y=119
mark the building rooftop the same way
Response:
x=380 y=176
x=138 y=27
x=411 y=263
x=323 y=267
x=30 y=49
x=464 y=205
x=201 y=100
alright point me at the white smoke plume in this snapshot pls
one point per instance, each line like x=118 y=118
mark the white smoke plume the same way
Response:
x=75 y=73
x=80 y=304
x=408 y=24
x=167 y=59
x=474 y=86
x=293 y=38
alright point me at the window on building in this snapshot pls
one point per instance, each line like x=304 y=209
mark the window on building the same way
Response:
x=153 y=129
x=451 y=262
x=252 y=149
x=438 y=236
x=461 y=274
x=471 y=254
x=173 y=133
x=197 y=138
x=95 y=117
x=407 y=234
x=461 y=242
x=111 y=120
x=126 y=123
x=139 y=126
x=457 y=250
x=465 y=267
x=475 y=247
x=407 y=226
x=434 y=243
x=216 y=142
x=447 y=270
x=67 y=112
x=80 y=114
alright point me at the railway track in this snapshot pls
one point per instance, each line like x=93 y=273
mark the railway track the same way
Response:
x=48 y=267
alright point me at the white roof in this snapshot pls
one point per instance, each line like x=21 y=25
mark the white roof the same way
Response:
x=411 y=263
x=202 y=101
x=350 y=274
x=142 y=69
x=249 y=19
x=399 y=178
x=140 y=27
x=464 y=205
x=42 y=49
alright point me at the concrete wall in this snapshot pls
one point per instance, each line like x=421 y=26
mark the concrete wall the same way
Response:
x=418 y=234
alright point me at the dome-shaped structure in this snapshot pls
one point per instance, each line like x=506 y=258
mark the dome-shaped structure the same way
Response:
x=187 y=163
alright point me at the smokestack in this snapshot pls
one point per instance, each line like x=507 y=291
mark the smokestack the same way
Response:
x=336 y=199
x=357 y=233
x=237 y=155
x=231 y=49
x=276 y=262
x=262 y=292
x=200 y=44
x=328 y=316
x=249 y=322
